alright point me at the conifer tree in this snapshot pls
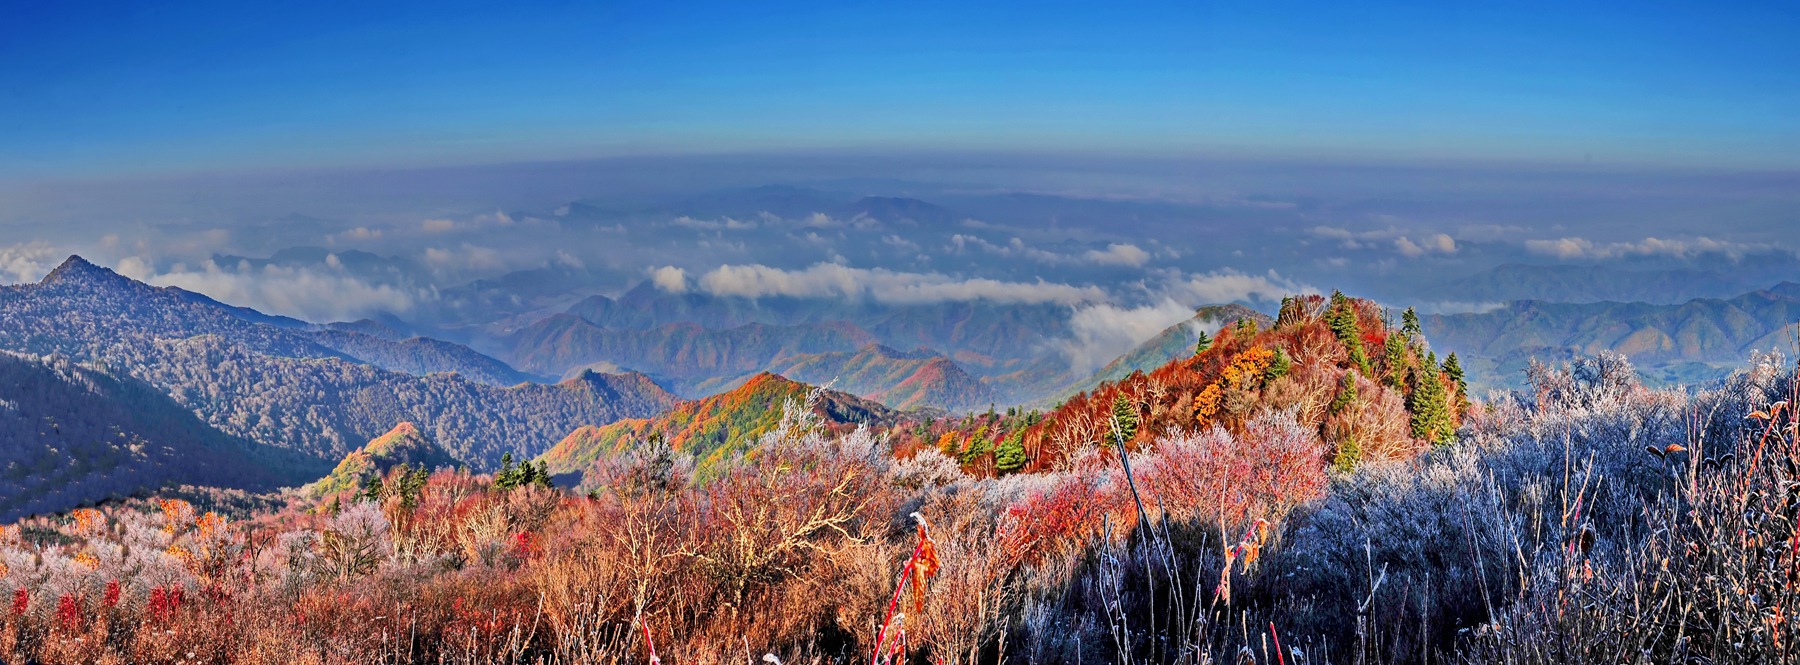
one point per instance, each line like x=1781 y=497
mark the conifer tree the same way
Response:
x=979 y=446
x=1125 y=418
x=1395 y=359
x=1290 y=313
x=1010 y=455
x=1342 y=319
x=1409 y=323
x=1202 y=344
x=1246 y=328
x=1349 y=454
x=1430 y=411
x=1346 y=393
x=1454 y=370
x=1278 y=366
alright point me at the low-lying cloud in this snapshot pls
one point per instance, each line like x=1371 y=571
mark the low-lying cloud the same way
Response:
x=26 y=262
x=311 y=294
x=1227 y=285
x=831 y=280
x=1101 y=333
x=1583 y=248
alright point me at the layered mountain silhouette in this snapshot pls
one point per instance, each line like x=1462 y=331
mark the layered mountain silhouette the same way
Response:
x=288 y=387
x=699 y=344
x=1695 y=341
x=899 y=379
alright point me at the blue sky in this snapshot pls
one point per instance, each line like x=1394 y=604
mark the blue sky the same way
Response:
x=141 y=89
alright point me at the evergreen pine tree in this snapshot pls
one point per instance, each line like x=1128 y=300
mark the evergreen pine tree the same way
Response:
x=1454 y=370
x=979 y=446
x=1202 y=344
x=1409 y=323
x=1290 y=313
x=1430 y=411
x=1246 y=328
x=1349 y=454
x=1395 y=359
x=1010 y=455
x=1278 y=367
x=1346 y=393
x=1125 y=419
x=1342 y=319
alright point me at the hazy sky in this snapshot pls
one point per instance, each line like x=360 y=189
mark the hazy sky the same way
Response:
x=140 y=88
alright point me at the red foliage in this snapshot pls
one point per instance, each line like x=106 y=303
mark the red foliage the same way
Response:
x=21 y=600
x=525 y=546
x=112 y=594
x=68 y=613
x=1052 y=523
x=164 y=602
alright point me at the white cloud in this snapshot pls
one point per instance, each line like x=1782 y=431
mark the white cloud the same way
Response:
x=830 y=280
x=1227 y=285
x=306 y=293
x=26 y=262
x=1440 y=244
x=712 y=224
x=670 y=279
x=1458 y=307
x=1115 y=254
x=1582 y=248
x=1119 y=254
x=462 y=261
x=1102 y=332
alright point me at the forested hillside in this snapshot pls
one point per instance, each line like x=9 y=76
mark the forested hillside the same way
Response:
x=900 y=379
x=71 y=435
x=714 y=429
x=1368 y=390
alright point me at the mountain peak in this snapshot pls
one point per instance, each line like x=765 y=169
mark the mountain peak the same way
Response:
x=76 y=270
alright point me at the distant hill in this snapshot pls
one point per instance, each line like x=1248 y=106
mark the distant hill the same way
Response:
x=404 y=444
x=420 y=356
x=1695 y=341
x=1594 y=284
x=999 y=344
x=1173 y=343
x=899 y=379
x=715 y=428
x=71 y=435
x=900 y=211
x=680 y=355
x=281 y=387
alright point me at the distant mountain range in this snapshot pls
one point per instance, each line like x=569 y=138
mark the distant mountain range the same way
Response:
x=715 y=428
x=900 y=379
x=1695 y=341
x=307 y=389
x=1594 y=284
x=967 y=354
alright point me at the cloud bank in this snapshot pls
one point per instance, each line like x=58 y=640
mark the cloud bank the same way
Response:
x=831 y=280
x=306 y=293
